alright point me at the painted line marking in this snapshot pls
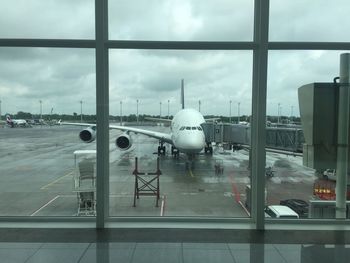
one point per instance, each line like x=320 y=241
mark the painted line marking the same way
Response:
x=46 y=186
x=244 y=208
x=45 y=205
x=162 y=207
x=190 y=171
x=237 y=194
x=234 y=189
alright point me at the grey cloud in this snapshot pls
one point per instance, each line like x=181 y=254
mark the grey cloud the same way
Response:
x=182 y=20
x=47 y=19
x=299 y=20
x=63 y=77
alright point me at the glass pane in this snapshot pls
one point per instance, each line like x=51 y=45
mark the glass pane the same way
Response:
x=314 y=20
x=39 y=88
x=47 y=19
x=181 y=20
x=301 y=132
x=145 y=88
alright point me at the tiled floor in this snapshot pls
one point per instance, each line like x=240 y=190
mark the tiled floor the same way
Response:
x=171 y=252
x=172 y=245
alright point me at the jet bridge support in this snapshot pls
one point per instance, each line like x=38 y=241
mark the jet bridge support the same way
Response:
x=146 y=183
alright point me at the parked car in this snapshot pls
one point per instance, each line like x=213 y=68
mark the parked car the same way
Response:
x=301 y=207
x=330 y=174
x=280 y=211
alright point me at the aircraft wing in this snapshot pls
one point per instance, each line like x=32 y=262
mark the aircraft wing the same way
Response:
x=165 y=137
x=158 y=119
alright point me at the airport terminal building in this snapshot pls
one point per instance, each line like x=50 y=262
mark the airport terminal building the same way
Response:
x=174 y=131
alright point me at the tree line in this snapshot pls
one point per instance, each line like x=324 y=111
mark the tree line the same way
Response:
x=141 y=118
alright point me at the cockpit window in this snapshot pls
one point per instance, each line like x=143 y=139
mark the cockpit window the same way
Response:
x=182 y=128
x=199 y=128
x=194 y=128
x=188 y=128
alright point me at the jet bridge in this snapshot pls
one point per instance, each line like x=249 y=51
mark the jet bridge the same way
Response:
x=226 y=133
x=282 y=138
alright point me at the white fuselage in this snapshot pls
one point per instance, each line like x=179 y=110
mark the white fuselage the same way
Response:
x=19 y=122
x=15 y=122
x=186 y=131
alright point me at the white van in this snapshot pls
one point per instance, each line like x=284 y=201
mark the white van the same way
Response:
x=280 y=211
x=330 y=174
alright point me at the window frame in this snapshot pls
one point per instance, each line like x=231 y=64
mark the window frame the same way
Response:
x=259 y=46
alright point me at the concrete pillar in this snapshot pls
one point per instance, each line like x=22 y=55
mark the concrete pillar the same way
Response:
x=343 y=136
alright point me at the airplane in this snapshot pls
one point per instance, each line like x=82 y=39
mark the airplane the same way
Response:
x=15 y=122
x=186 y=134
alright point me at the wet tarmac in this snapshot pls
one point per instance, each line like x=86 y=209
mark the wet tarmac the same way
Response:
x=37 y=170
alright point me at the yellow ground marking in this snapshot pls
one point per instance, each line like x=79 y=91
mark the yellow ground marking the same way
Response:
x=46 y=186
x=190 y=172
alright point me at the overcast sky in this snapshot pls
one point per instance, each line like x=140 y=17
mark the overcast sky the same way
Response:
x=61 y=78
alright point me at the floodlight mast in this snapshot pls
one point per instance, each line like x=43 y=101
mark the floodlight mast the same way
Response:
x=168 y=109
x=230 y=110
x=81 y=111
x=41 y=109
x=137 y=111
x=121 y=113
x=238 y=113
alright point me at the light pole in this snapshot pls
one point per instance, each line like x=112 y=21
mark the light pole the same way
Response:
x=41 y=109
x=81 y=111
x=0 y=109
x=230 y=109
x=168 y=109
x=291 y=113
x=238 y=113
x=137 y=111
x=278 y=113
x=121 y=113
x=160 y=109
x=199 y=105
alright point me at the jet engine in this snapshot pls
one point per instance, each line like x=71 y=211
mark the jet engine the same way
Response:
x=124 y=141
x=87 y=135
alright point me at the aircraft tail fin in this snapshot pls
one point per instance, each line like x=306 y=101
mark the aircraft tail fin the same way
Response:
x=182 y=94
x=8 y=119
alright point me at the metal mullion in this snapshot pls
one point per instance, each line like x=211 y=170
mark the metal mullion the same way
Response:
x=102 y=113
x=49 y=43
x=258 y=140
x=309 y=45
x=180 y=45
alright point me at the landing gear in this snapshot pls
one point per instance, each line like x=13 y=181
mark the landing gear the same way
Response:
x=161 y=148
x=174 y=151
x=190 y=161
x=208 y=149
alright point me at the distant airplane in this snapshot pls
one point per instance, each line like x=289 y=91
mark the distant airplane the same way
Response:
x=15 y=122
x=186 y=134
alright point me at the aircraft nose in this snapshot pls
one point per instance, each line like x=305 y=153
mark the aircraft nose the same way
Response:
x=193 y=143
